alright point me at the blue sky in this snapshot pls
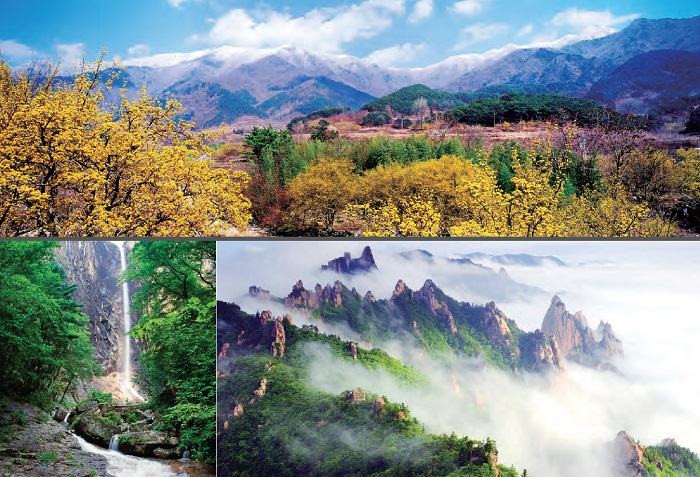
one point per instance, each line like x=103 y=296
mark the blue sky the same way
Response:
x=389 y=32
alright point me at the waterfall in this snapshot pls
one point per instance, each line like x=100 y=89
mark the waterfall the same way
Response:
x=120 y=465
x=114 y=443
x=186 y=454
x=128 y=387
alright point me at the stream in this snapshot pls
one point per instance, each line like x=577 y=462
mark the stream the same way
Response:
x=121 y=465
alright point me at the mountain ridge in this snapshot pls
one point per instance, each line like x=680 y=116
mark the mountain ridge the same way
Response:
x=267 y=73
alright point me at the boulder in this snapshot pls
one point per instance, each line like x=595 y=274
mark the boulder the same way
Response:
x=143 y=444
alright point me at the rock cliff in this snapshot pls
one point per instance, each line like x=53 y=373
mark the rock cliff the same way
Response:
x=94 y=266
x=577 y=341
x=348 y=265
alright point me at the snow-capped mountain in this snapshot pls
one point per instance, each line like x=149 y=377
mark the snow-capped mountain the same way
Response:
x=223 y=84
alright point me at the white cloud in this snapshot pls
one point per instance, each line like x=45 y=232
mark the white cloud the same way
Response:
x=588 y=22
x=468 y=7
x=421 y=10
x=479 y=32
x=321 y=29
x=139 y=50
x=70 y=55
x=395 y=55
x=176 y=3
x=526 y=30
x=15 y=51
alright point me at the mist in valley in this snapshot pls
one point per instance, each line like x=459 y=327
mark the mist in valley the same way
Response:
x=556 y=424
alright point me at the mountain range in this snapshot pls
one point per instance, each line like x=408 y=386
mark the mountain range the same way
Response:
x=632 y=69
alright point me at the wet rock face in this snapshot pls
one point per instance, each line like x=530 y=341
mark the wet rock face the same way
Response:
x=95 y=267
x=348 y=265
x=97 y=423
x=144 y=444
x=577 y=341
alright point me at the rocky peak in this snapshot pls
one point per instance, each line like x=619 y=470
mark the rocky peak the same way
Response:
x=576 y=339
x=264 y=316
x=609 y=344
x=258 y=292
x=426 y=295
x=399 y=288
x=630 y=453
x=348 y=265
x=301 y=298
x=353 y=350
x=370 y=297
x=494 y=324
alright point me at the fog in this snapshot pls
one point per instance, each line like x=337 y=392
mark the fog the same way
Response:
x=552 y=425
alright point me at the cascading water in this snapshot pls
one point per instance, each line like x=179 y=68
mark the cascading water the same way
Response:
x=128 y=387
x=114 y=443
x=121 y=465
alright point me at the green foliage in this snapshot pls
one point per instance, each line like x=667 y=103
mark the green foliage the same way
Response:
x=401 y=101
x=270 y=150
x=19 y=417
x=321 y=113
x=99 y=396
x=323 y=132
x=675 y=461
x=402 y=123
x=44 y=341
x=376 y=118
x=129 y=440
x=48 y=457
x=514 y=107
x=177 y=330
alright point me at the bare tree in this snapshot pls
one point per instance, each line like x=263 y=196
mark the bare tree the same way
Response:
x=443 y=122
x=421 y=109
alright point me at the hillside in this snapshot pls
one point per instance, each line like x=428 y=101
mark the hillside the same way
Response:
x=271 y=422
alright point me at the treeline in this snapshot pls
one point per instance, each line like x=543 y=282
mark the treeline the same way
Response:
x=496 y=105
x=177 y=331
x=573 y=181
x=516 y=107
x=45 y=350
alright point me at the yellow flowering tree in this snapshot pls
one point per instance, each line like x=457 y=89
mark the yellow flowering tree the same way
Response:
x=71 y=166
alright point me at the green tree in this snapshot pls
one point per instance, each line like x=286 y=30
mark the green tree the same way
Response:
x=44 y=341
x=270 y=150
x=177 y=330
